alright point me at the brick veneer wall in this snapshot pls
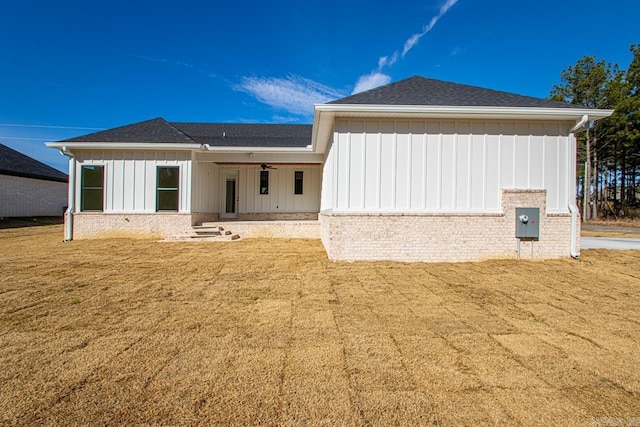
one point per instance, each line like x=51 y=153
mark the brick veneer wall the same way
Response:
x=31 y=197
x=445 y=237
x=160 y=225
x=278 y=216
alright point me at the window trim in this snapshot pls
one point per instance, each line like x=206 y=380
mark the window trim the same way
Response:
x=295 y=183
x=158 y=189
x=82 y=187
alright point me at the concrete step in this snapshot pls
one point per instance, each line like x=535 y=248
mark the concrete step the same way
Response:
x=208 y=232
x=209 y=224
x=207 y=227
x=220 y=238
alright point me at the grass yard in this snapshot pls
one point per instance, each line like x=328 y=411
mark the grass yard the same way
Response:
x=269 y=332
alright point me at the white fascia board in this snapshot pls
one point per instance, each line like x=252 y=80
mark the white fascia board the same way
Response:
x=124 y=145
x=464 y=111
x=296 y=150
x=174 y=146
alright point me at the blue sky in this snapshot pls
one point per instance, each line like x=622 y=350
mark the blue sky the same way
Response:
x=68 y=68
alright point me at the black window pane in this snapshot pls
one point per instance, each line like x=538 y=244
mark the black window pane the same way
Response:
x=92 y=199
x=168 y=177
x=91 y=196
x=298 y=183
x=230 y=205
x=92 y=176
x=264 y=182
x=168 y=186
x=168 y=200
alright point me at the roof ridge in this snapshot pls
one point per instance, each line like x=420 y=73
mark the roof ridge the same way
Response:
x=178 y=129
x=418 y=90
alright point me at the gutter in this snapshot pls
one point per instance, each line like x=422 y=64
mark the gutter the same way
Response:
x=125 y=145
x=229 y=149
x=454 y=110
x=72 y=193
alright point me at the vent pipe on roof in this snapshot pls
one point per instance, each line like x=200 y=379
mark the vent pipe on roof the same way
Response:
x=68 y=235
x=224 y=134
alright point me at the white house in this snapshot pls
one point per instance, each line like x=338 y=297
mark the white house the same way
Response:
x=28 y=187
x=417 y=170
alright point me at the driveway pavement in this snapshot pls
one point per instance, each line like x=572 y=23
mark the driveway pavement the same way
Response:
x=628 y=230
x=609 y=243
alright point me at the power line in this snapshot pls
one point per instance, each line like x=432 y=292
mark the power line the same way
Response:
x=48 y=126
x=27 y=139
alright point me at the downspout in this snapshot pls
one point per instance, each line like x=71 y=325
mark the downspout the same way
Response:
x=573 y=209
x=573 y=251
x=72 y=193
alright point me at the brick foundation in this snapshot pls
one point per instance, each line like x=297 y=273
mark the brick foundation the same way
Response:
x=197 y=218
x=148 y=225
x=444 y=237
x=274 y=229
x=278 y=216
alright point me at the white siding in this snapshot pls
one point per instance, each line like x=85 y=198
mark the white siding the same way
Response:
x=206 y=187
x=31 y=197
x=444 y=166
x=130 y=178
x=281 y=197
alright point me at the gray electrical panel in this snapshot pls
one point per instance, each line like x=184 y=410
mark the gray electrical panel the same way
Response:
x=528 y=223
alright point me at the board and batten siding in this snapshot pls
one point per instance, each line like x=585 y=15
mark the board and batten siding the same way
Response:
x=130 y=178
x=209 y=188
x=445 y=166
x=206 y=187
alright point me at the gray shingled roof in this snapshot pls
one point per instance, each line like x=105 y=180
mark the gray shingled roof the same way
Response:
x=15 y=163
x=248 y=135
x=215 y=134
x=418 y=90
x=154 y=130
x=412 y=91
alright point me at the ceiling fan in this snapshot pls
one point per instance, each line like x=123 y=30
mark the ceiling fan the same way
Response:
x=265 y=166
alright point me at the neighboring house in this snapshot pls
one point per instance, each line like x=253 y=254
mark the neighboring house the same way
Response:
x=417 y=170
x=29 y=187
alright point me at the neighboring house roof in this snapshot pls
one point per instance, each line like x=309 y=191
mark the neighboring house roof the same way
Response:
x=215 y=134
x=418 y=90
x=15 y=163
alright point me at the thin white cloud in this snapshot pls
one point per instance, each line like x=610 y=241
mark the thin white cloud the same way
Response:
x=413 y=40
x=293 y=94
x=378 y=78
x=370 y=81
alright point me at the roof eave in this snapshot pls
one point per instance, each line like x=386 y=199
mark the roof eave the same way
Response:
x=125 y=145
x=325 y=114
x=230 y=149
x=445 y=111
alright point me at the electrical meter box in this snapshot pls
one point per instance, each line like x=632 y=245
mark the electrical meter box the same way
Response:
x=528 y=223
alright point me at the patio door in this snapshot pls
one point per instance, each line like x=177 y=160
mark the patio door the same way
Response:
x=230 y=193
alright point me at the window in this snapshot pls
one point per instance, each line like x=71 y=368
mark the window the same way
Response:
x=297 y=180
x=264 y=182
x=168 y=185
x=92 y=188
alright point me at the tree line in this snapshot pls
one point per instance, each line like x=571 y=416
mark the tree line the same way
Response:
x=609 y=149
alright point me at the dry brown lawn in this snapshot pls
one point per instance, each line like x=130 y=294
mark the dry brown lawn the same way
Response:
x=269 y=332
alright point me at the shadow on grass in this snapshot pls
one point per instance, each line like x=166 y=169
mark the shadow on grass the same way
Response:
x=20 y=222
